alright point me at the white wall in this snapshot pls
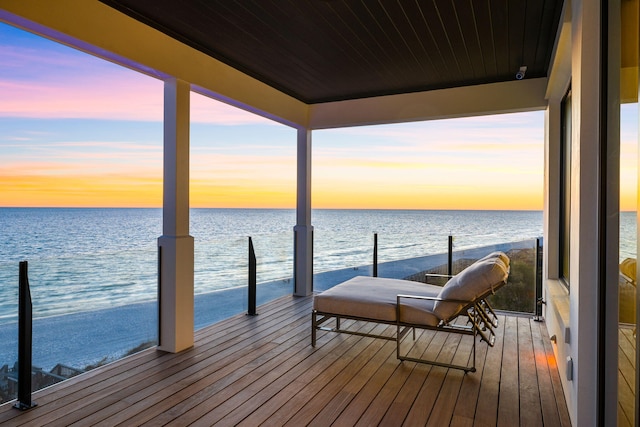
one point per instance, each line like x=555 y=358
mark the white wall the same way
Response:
x=572 y=316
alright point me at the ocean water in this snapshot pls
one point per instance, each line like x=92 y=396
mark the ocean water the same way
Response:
x=90 y=259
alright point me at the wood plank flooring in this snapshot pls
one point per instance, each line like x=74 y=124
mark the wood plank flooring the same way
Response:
x=626 y=375
x=262 y=370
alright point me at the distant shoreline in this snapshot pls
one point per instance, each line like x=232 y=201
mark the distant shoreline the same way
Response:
x=284 y=209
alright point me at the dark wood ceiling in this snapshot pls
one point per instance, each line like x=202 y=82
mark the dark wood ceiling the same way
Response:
x=328 y=50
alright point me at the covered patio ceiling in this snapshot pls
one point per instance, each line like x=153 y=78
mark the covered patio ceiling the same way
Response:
x=319 y=64
x=333 y=50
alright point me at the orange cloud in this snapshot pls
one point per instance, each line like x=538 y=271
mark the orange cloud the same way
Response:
x=426 y=197
x=80 y=191
x=243 y=180
x=249 y=193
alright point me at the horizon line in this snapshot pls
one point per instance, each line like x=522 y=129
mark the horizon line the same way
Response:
x=277 y=208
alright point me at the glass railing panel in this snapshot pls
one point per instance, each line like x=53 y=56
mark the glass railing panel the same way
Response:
x=519 y=295
x=88 y=310
x=406 y=256
x=337 y=251
x=222 y=274
x=220 y=278
x=106 y=281
x=482 y=228
x=340 y=256
x=407 y=245
x=274 y=259
x=412 y=257
x=8 y=292
x=8 y=330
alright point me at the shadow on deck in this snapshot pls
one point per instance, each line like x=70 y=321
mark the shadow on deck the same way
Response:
x=262 y=370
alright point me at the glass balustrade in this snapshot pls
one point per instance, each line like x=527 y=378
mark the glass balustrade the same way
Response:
x=91 y=309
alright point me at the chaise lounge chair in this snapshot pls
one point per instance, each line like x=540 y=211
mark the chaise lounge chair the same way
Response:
x=410 y=305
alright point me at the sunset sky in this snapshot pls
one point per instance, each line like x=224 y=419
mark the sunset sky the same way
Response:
x=79 y=131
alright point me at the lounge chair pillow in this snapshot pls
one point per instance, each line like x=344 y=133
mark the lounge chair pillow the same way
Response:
x=501 y=255
x=473 y=282
x=628 y=268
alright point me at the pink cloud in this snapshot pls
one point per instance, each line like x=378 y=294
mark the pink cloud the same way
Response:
x=207 y=110
x=37 y=83
x=84 y=98
x=89 y=167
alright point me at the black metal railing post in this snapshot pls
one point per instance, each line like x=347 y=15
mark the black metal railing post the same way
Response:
x=538 y=278
x=252 y=280
x=159 y=331
x=375 y=254
x=24 y=341
x=450 y=257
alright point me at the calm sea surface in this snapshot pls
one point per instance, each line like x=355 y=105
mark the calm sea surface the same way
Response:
x=88 y=259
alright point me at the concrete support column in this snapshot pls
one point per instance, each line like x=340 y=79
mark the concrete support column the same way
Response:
x=176 y=245
x=303 y=231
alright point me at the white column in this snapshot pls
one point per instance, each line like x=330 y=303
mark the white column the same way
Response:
x=552 y=189
x=592 y=206
x=176 y=245
x=610 y=201
x=303 y=231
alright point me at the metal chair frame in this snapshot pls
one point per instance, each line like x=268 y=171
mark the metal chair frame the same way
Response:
x=481 y=323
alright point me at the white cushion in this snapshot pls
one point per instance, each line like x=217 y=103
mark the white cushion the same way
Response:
x=376 y=298
x=474 y=281
x=497 y=254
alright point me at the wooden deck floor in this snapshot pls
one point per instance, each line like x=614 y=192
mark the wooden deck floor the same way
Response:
x=626 y=375
x=262 y=370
